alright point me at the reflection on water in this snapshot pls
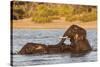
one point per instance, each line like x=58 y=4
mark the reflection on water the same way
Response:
x=49 y=36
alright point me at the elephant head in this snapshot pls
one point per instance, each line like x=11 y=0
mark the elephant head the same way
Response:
x=71 y=33
x=78 y=39
x=73 y=30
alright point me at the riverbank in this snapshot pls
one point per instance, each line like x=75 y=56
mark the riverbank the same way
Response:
x=56 y=24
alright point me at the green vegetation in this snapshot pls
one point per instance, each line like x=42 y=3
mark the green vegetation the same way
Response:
x=43 y=14
x=83 y=16
x=40 y=19
x=46 y=12
x=21 y=10
x=89 y=17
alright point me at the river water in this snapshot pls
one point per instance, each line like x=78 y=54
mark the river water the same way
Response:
x=48 y=36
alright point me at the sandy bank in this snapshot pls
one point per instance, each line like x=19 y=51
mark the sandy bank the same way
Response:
x=28 y=24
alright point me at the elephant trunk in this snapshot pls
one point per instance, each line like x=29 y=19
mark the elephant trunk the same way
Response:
x=66 y=34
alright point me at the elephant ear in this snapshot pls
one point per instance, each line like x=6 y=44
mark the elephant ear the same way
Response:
x=78 y=37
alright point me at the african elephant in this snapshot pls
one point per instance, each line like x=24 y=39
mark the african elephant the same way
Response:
x=33 y=48
x=79 y=42
x=72 y=30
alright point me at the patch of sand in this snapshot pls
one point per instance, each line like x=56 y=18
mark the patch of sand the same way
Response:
x=28 y=24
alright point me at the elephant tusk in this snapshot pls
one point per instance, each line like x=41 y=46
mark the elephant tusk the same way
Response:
x=63 y=37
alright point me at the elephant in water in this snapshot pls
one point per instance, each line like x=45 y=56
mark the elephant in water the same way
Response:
x=33 y=48
x=79 y=42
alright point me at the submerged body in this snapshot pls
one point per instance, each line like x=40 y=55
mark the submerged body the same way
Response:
x=33 y=48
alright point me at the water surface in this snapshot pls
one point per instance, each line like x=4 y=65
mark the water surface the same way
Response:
x=48 y=36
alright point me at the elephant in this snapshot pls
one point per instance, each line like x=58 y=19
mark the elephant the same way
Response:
x=72 y=30
x=33 y=48
x=79 y=42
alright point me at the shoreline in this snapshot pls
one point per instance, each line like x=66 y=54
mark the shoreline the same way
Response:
x=48 y=28
x=57 y=24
